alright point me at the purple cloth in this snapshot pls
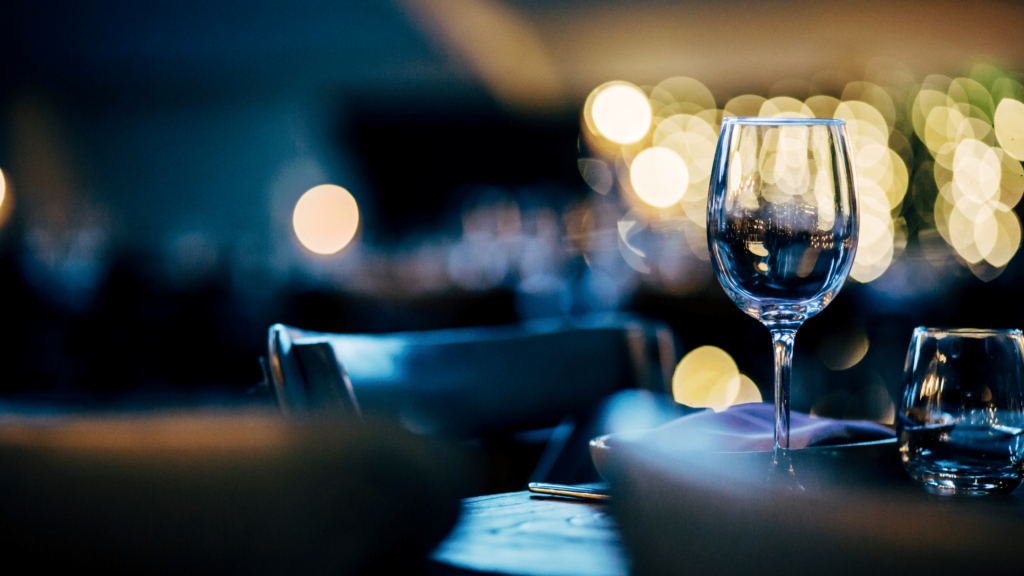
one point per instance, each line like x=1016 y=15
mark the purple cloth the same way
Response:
x=751 y=428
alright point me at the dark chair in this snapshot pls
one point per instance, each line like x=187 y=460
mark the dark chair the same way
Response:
x=476 y=382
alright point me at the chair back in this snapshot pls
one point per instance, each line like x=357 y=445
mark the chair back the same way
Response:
x=470 y=382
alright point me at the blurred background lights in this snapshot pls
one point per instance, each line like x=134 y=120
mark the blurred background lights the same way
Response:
x=621 y=113
x=707 y=377
x=748 y=393
x=844 y=347
x=882 y=176
x=326 y=218
x=785 y=107
x=3 y=187
x=745 y=105
x=977 y=146
x=681 y=95
x=1009 y=127
x=659 y=177
x=971 y=128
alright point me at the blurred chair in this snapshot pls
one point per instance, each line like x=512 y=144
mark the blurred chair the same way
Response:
x=477 y=382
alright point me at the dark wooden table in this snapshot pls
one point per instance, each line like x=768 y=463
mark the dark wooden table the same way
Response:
x=521 y=533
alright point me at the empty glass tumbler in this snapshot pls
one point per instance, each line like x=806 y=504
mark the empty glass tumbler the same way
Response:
x=962 y=410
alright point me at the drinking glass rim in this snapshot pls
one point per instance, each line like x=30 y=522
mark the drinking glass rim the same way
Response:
x=966 y=332
x=771 y=121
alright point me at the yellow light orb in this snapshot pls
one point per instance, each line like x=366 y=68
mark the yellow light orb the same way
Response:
x=843 y=349
x=875 y=248
x=697 y=150
x=940 y=133
x=326 y=218
x=745 y=105
x=748 y=393
x=900 y=180
x=707 y=377
x=3 y=187
x=976 y=170
x=1011 y=180
x=986 y=230
x=785 y=107
x=1008 y=239
x=681 y=95
x=822 y=106
x=659 y=177
x=962 y=221
x=1009 y=123
x=681 y=123
x=926 y=101
x=622 y=113
x=875 y=96
x=865 y=113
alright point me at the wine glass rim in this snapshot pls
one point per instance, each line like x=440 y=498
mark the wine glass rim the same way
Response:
x=772 y=121
x=966 y=332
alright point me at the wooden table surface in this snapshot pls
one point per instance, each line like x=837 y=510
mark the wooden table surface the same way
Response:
x=521 y=533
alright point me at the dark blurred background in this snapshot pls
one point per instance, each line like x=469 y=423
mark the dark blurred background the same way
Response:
x=153 y=154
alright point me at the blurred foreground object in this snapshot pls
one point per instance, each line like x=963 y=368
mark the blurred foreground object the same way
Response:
x=238 y=493
x=855 y=512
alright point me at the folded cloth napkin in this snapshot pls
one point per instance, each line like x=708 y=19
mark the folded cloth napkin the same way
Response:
x=751 y=428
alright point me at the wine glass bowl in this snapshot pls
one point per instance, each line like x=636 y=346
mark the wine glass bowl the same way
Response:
x=782 y=226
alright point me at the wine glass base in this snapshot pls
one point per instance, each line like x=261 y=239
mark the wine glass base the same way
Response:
x=781 y=475
x=944 y=485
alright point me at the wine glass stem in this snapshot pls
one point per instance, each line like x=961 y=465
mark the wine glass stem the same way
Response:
x=782 y=342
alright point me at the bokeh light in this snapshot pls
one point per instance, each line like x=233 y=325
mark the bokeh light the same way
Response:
x=977 y=147
x=621 y=112
x=659 y=177
x=681 y=95
x=785 y=107
x=326 y=218
x=3 y=187
x=882 y=175
x=1009 y=127
x=597 y=174
x=843 y=348
x=707 y=377
x=748 y=393
x=745 y=105
x=669 y=169
x=823 y=106
x=964 y=190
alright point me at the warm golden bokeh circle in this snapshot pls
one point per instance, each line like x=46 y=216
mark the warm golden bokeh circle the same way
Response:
x=326 y=218
x=707 y=377
x=659 y=177
x=621 y=113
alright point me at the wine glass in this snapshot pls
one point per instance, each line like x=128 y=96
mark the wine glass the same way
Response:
x=782 y=228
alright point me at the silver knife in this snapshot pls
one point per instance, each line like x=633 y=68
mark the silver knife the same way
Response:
x=566 y=491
